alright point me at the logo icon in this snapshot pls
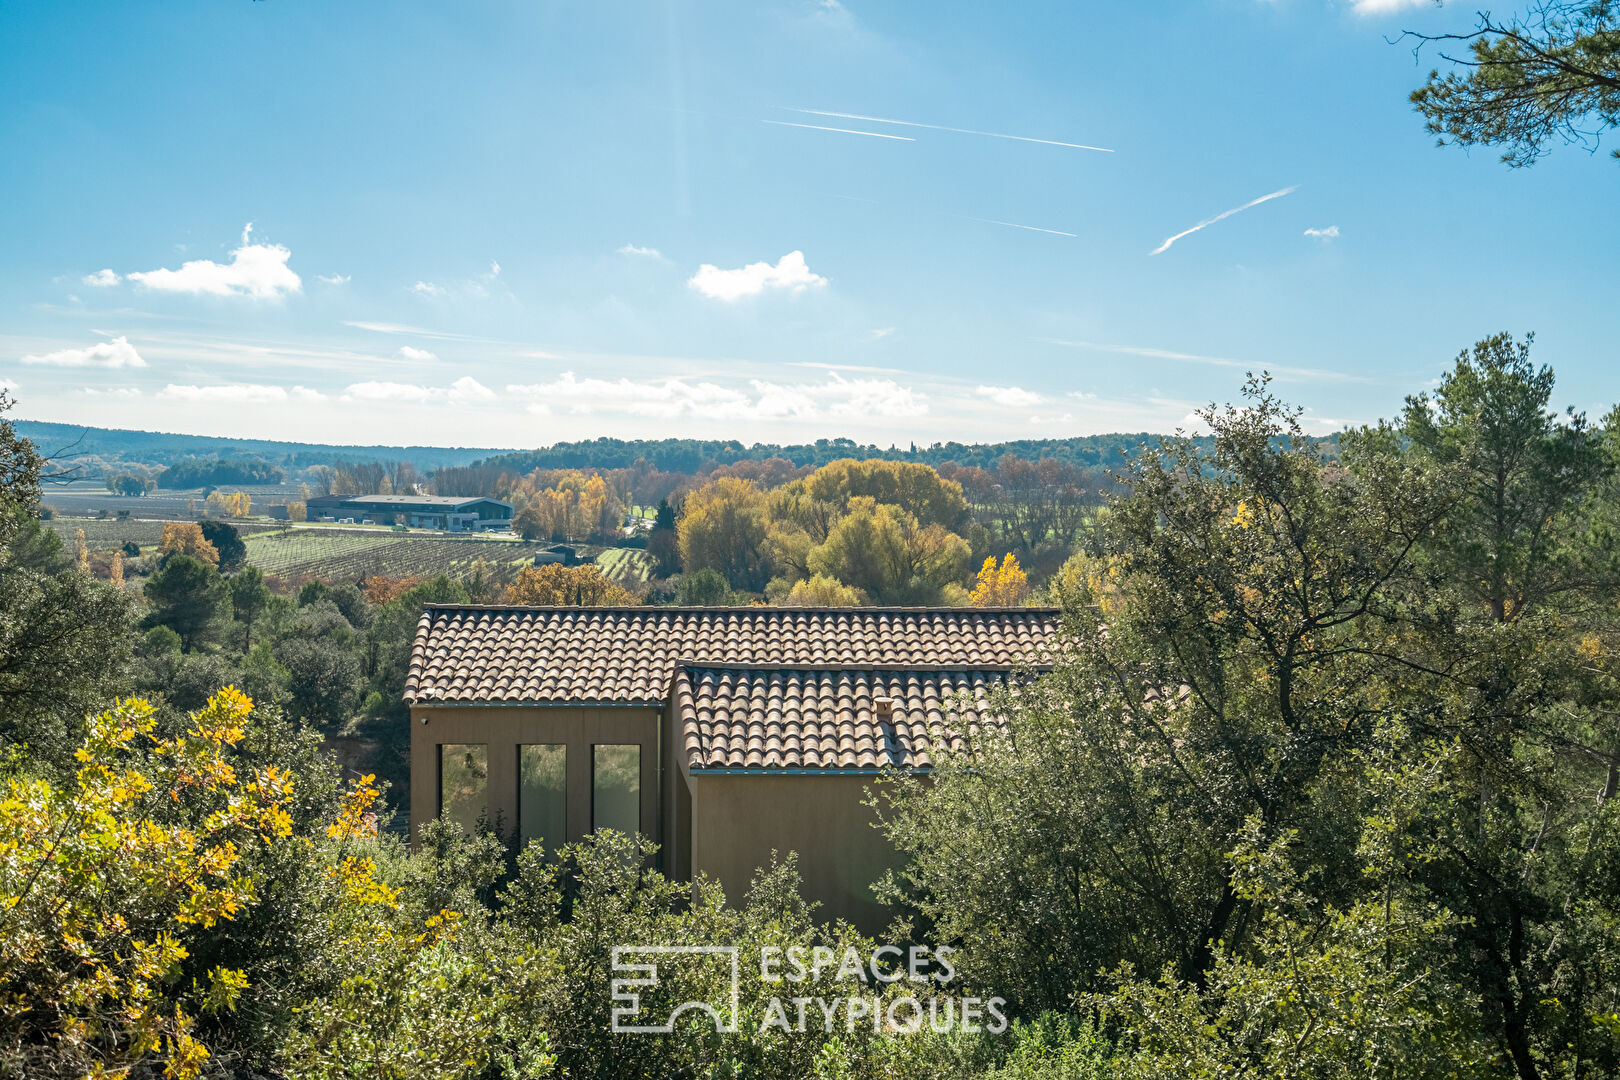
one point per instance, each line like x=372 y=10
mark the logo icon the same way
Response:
x=627 y=996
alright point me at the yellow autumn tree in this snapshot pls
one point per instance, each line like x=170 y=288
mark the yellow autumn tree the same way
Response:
x=880 y=549
x=722 y=528
x=1000 y=586
x=108 y=877
x=567 y=504
x=81 y=551
x=1086 y=580
x=116 y=879
x=115 y=570
x=819 y=590
x=556 y=585
x=186 y=538
x=916 y=488
x=235 y=504
x=297 y=511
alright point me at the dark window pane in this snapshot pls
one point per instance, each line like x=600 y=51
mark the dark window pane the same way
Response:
x=616 y=788
x=543 y=794
x=464 y=783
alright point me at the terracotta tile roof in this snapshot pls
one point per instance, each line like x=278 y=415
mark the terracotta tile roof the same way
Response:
x=770 y=719
x=515 y=655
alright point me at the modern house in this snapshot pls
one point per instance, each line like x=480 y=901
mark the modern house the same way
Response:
x=418 y=511
x=722 y=733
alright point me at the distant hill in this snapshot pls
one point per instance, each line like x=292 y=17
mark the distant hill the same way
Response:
x=670 y=455
x=158 y=448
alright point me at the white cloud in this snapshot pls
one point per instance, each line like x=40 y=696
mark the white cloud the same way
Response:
x=408 y=352
x=656 y=397
x=117 y=353
x=464 y=391
x=1386 y=7
x=335 y=279
x=479 y=286
x=790 y=273
x=1324 y=235
x=259 y=271
x=122 y=393
x=237 y=393
x=878 y=333
x=1012 y=396
x=833 y=13
x=1222 y=216
x=387 y=391
x=674 y=397
x=644 y=252
x=101 y=279
x=413 y=331
x=467 y=389
x=869 y=397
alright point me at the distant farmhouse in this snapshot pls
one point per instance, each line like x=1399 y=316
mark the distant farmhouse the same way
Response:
x=723 y=734
x=417 y=511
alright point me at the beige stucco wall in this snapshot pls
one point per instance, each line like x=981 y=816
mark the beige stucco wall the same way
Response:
x=504 y=728
x=724 y=826
x=737 y=820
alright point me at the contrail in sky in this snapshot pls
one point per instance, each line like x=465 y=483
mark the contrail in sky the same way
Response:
x=841 y=131
x=1015 y=225
x=1279 y=370
x=957 y=130
x=1222 y=216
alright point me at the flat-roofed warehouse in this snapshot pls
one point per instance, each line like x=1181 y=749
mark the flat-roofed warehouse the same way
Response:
x=418 y=511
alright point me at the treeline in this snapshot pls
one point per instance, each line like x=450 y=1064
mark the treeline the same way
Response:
x=108 y=449
x=364 y=478
x=196 y=472
x=696 y=456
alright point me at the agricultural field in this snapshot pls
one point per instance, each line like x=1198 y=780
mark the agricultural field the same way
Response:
x=91 y=497
x=631 y=567
x=107 y=534
x=353 y=554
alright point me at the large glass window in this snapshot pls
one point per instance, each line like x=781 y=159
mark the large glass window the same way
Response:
x=616 y=788
x=464 y=783
x=543 y=794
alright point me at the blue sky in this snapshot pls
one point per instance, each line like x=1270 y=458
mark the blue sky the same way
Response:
x=506 y=224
